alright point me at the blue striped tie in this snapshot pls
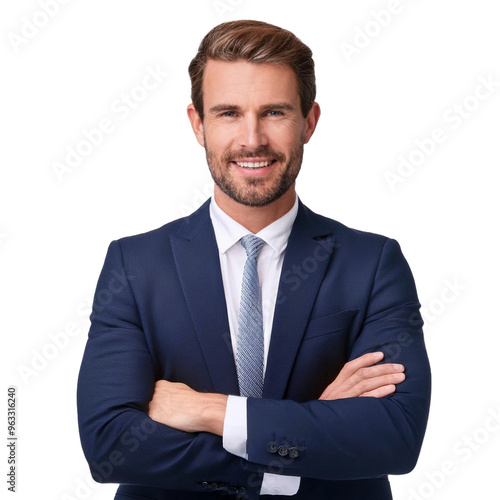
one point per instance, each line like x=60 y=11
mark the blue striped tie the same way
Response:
x=250 y=346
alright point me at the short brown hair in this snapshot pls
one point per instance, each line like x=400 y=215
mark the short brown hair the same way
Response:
x=256 y=42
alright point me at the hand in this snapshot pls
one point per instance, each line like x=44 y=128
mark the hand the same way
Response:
x=360 y=378
x=182 y=408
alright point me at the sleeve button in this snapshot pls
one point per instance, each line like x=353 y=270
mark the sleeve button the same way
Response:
x=282 y=451
x=272 y=447
x=293 y=452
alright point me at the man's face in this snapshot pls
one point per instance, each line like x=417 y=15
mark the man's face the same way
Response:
x=253 y=129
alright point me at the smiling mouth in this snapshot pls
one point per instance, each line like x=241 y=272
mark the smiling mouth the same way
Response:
x=254 y=164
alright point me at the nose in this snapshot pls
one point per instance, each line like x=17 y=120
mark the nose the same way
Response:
x=252 y=134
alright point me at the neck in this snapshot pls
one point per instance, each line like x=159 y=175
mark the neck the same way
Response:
x=255 y=218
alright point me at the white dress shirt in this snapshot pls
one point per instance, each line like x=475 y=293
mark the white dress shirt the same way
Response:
x=232 y=256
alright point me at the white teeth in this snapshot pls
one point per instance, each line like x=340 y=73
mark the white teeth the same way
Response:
x=253 y=164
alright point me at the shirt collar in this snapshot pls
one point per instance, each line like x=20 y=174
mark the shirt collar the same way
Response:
x=228 y=232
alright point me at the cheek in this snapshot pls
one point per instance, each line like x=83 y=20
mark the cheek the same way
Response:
x=217 y=140
x=287 y=136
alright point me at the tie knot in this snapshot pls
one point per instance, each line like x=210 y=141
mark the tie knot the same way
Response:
x=252 y=245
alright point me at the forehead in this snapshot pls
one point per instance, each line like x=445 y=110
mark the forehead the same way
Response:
x=239 y=79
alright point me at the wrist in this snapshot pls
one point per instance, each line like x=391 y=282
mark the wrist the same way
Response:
x=213 y=413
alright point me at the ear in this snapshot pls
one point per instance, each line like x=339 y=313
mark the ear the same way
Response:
x=196 y=124
x=311 y=121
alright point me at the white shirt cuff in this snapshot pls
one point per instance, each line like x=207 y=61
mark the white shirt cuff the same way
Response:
x=234 y=434
x=234 y=440
x=273 y=484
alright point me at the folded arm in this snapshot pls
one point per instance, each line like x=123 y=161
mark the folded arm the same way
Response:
x=178 y=406
x=117 y=378
x=356 y=438
x=341 y=436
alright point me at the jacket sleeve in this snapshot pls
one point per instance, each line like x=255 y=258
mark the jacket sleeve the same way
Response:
x=356 y=438
x=116 y=382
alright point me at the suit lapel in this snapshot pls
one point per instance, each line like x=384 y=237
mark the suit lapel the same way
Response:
x=308 y=253
x=197 y=259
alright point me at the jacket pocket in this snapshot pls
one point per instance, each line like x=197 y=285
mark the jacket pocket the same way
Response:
x=329 y=324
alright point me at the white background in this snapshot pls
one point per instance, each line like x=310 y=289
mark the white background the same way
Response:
x=66 y=75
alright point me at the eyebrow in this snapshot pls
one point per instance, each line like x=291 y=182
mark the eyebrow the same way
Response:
x=281 y=106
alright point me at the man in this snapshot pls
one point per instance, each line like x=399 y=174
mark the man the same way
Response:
x=256 y=348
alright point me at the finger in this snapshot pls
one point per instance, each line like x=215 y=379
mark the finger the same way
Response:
x=350 y=383
x=373 y=387
x=355 y=372
x=375 y=383
x=350 y=368
x=377 y=371
x=356 y=364
x=160 y=384
x=327 y=394
x=380 y=392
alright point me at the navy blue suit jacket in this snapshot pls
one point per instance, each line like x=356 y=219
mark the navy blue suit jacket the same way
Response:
x=159 y=313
